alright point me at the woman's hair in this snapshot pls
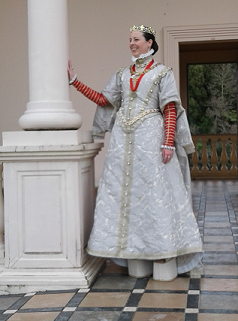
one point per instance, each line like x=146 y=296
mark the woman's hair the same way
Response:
x=154 y=45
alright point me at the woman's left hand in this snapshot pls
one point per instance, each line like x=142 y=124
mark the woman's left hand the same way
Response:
x=167 y=155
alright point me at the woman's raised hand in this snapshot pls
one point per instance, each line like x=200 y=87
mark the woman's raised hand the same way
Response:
x=70 y=70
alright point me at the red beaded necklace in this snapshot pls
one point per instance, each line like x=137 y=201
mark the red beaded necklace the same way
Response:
x=138 y=81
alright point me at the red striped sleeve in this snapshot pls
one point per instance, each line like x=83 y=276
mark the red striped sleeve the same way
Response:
x=91 y=94
x=170 y=123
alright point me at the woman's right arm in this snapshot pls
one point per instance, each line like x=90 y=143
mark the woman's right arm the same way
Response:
x=91 y=94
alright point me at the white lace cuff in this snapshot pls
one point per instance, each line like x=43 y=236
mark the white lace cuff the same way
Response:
x=73 y=79
x=168 y=147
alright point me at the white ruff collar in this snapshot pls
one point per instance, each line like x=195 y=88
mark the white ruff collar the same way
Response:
x=142 y=56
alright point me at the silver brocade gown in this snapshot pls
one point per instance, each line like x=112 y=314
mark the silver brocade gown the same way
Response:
x=143 y=207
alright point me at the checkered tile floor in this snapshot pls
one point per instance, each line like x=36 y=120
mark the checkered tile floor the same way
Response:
x=115 y=296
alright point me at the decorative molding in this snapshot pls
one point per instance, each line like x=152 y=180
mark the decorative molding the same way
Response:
x=14 y=281
x=173 y=36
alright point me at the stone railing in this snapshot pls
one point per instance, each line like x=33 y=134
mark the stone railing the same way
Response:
x=215 y=157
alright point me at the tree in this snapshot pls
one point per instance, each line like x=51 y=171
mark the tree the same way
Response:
x=222 y=104
x=198 y=96
x=212 y=98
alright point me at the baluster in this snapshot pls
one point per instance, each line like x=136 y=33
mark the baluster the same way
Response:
x=1 y=217
x=233 y=157
x=204 y=155
x=214 y=157
x=223 y=154
x=195 y=158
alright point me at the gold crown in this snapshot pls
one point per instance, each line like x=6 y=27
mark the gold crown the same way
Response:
x=143 y=29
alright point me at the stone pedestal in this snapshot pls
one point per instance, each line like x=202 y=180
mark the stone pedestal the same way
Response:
x=49 y=198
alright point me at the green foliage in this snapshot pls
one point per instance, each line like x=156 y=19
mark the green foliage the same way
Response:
x=212 y=98
x=233 y=116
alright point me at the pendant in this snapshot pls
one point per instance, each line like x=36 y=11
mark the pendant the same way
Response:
x=133 y=94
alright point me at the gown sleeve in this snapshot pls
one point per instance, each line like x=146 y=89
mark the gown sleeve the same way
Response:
x=168 y=93
x=105 y=116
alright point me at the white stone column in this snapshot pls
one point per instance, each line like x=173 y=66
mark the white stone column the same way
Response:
x=1 y=217
x=49 y=107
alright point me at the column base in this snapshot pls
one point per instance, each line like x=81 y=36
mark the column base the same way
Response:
x=45 y=117
x=32 y=280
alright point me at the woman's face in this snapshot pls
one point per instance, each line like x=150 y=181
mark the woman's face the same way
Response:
x=138 y=44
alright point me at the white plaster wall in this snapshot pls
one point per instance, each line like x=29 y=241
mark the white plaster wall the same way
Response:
x=98 y=44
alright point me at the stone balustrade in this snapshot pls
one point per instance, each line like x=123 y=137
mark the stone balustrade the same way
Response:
x=215 y=156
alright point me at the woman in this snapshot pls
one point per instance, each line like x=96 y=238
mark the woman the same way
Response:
x=143 y=214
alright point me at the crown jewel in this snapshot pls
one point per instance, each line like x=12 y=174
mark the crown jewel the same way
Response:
x=143 y=28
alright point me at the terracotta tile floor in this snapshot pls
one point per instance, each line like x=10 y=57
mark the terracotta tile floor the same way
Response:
x=115 y=296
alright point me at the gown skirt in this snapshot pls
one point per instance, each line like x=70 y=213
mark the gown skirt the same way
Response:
x=143 y=206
